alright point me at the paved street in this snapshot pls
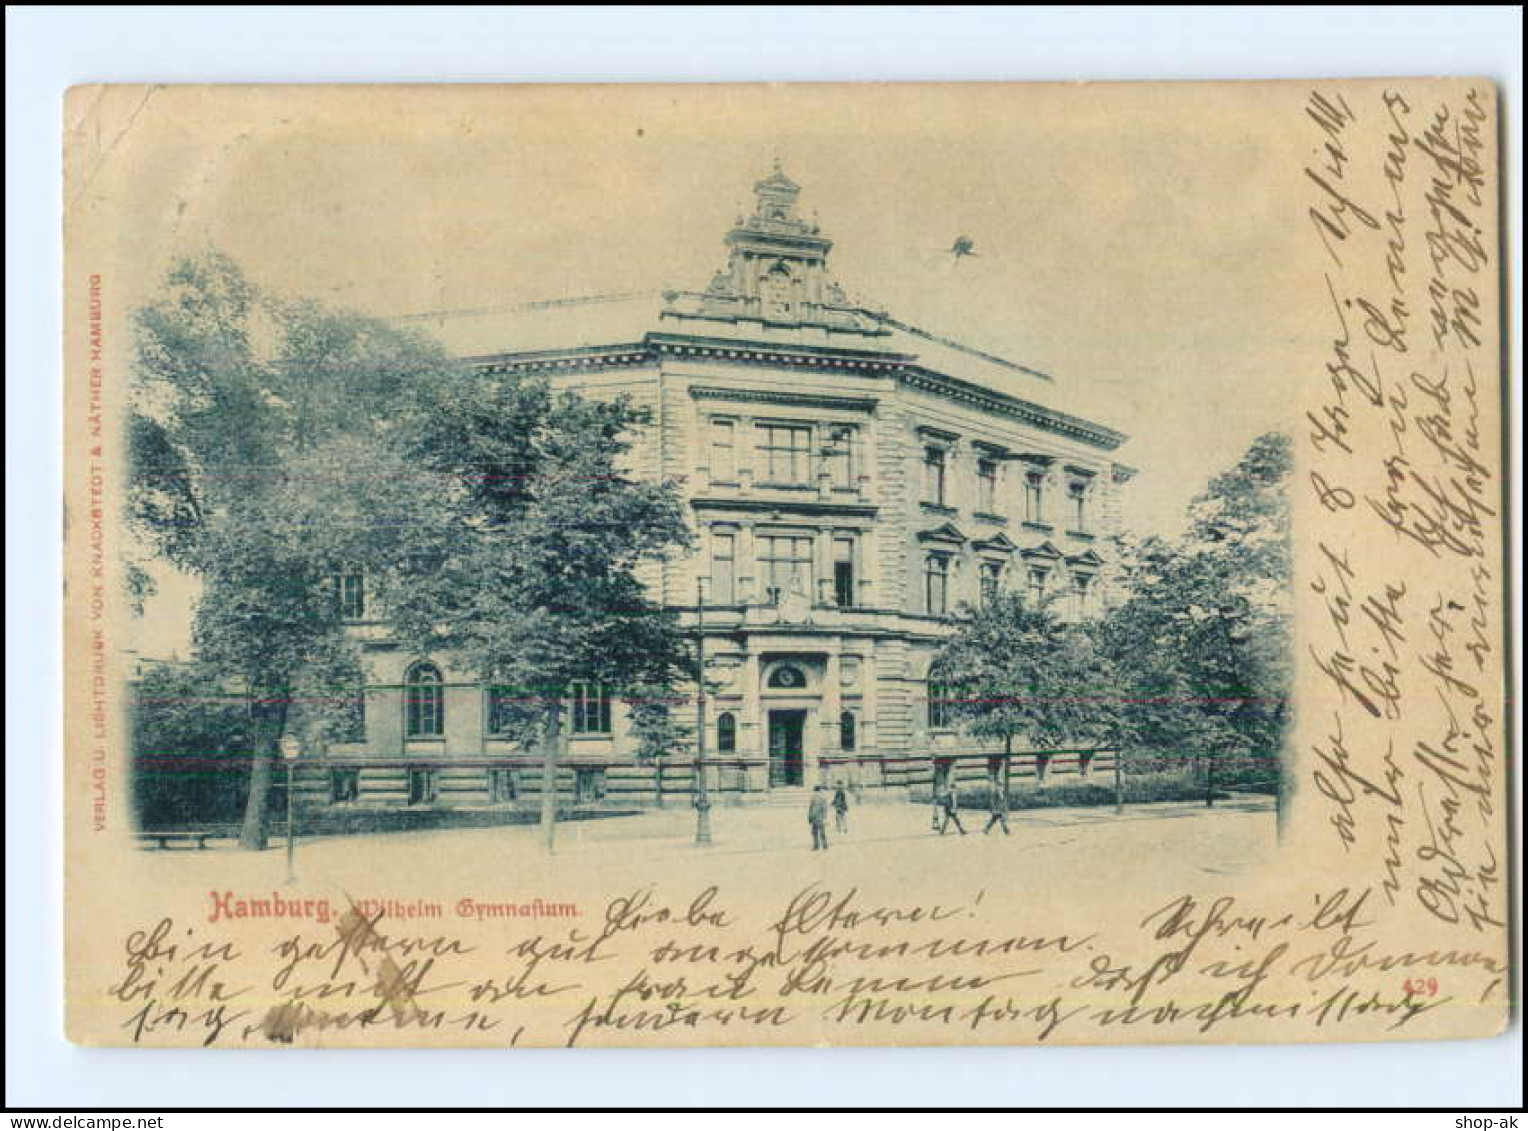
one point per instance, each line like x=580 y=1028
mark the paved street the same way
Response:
x=1078 y=848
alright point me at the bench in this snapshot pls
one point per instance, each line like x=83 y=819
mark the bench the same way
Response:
x=164 y=837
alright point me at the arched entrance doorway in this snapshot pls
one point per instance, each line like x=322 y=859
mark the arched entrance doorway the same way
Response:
x=790 y=693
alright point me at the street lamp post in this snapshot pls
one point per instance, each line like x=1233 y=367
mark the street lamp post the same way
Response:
x=290 y=749
x=702 y=798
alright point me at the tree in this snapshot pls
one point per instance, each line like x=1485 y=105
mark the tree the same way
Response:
x=659 y=735
x=1018 y=671
x=1202 y=641
x=263 y=460
x=531 y=579
x=192 y=744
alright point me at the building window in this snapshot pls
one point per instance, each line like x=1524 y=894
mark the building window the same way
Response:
x=777 y=288
x=934 y=476
x=726 y=732
x=843 y=573
x=723 y=553
x=422 y=786
x=591 y=708
x=588 y=784
x=986 y=486
x=1077 y=493
x=1034 y=496
x=843 y=457
x=787 y=677
x=344 y=785
x=1037 y=580
x=938 y=706
x=786 y=564
x=723 y=453
x=506 y=711
x=350 y=726
x=936 y=584
x=501 y=784
x=424 y=700
x=846 y=731
x=991 y=580
x=350 y=591
x=785 y=454
x=1081 y=583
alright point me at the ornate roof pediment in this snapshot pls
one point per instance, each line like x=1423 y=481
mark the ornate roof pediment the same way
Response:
x=944 y=532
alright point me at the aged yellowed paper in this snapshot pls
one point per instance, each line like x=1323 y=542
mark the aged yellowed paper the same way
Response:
x=759 y=565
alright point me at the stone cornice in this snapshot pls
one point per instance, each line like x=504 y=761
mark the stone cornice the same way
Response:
x=565 y=360
x=821 y=358
x=785 y=506
x=813 y=358
x=783 y=396
x=1049 y=419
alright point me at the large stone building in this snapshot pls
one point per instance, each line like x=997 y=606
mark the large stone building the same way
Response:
x=851 y=481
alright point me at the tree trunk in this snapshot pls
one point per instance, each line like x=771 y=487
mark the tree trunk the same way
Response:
x=658 y=777
x=270 y=723
x=551 y=738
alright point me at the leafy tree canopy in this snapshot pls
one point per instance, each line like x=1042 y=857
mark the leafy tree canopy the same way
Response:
x=1202 y=639
x=532 y=576
x=263 y=459
x=1018 y=672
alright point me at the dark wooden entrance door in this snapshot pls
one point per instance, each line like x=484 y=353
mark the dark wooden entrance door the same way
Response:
x=786 y=729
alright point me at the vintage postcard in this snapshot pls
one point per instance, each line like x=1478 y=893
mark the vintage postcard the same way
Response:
x=785 y=565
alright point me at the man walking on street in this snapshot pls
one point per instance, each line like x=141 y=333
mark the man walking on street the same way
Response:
x=840 y=808
x=999 y=808
x=951 y=806
x=817 y=817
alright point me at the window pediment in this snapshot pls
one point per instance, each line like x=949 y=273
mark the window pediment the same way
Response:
x=945 y=532
x=1043 y=552
x=997 y=544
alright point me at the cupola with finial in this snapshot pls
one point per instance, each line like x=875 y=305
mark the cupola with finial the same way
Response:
x=777 y=270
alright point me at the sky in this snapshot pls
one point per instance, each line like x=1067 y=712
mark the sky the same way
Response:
x=1136 y=243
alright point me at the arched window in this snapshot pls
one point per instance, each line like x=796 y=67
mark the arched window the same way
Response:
x=940 y=696
x=424 y=701
x=726 y=732
x=846 y=731
x=788 y=677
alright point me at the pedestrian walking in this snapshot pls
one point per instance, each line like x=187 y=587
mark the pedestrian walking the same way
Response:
x=999 y=814
x=817 y=817
x=841 y=808
x=950 y=807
